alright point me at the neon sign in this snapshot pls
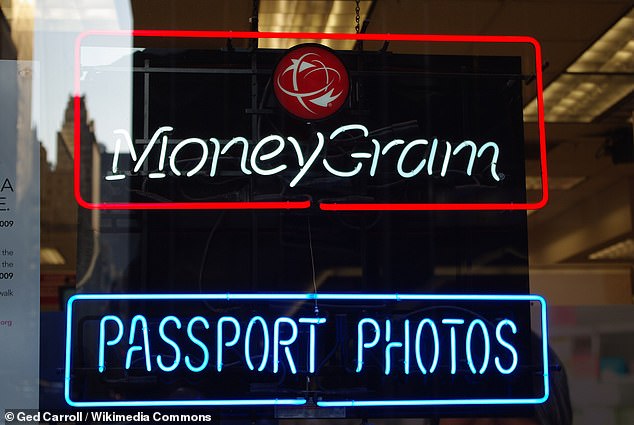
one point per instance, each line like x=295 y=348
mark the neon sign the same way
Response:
x=410 y=132
x=292 y=164
x=418 y=341
x=139 y=323
x=431 y=157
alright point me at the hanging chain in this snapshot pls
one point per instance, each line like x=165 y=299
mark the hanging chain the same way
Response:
x=357 y=18
x=253 y=20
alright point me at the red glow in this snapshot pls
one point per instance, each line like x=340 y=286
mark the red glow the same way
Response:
x=321 y=80
x=436 y=38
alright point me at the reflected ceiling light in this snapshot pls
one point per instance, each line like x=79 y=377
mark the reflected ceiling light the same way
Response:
x=51 y=257
x=326 y=16
x=79 y=15
x=105 y=56
x=623 y=250
x=597 y=80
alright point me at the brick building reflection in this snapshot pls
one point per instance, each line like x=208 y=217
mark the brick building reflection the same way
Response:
x=65 y=228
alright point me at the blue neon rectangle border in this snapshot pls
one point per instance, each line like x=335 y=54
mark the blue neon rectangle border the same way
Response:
x=300 y=297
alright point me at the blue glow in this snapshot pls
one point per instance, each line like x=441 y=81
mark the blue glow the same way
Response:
x=214 y=159
x=431 y=402
x=343 y=128
x=298 y=150
x=311 y=160
x=146 y=343
x=247 y=343
x=161 y=166
x=375 y=157
x=220 y=343
x=102 y=337
x=175 y=403
x=388 y=357
x=406 y=360
x=452 y=321
x=498 y=335
x=305 y=166
x=390 y=345
x=453 y=340
x=544 y=329
x=432 y=156
x=177 y=350
x=494 y=160
x=445 y=162
x=403 y=155
x=305 y=296
x=338 y=173
x=487 y=346
x=179 y=146
x=473 y=147
x=68 y=353
x=117 y=151
x=199 y=343
x=264 y=157
x=419 y=332
x=313 y=322
x=360 y=340
x=361 y=155
x=391 y=144
x=285 y=343
x=245 y=149
x=334 y=134
x=149 y=147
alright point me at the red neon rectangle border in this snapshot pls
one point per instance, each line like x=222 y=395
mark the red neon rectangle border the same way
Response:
x=439 y=38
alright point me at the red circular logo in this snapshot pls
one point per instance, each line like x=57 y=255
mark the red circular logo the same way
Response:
x=311 y=82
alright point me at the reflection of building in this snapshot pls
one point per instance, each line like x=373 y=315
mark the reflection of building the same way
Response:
x=60 y=215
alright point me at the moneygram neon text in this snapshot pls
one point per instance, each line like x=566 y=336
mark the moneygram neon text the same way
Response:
x=266 y=157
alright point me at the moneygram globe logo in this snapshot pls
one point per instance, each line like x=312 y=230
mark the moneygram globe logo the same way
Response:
x=311 y=82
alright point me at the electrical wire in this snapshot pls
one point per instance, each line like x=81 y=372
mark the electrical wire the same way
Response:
x=312 y=263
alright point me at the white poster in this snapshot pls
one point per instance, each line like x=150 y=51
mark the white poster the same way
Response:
x=19 y=241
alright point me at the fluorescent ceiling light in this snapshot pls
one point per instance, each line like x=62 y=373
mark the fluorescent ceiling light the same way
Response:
x=326 y=16
x=614 y=52
x=623 y=250
x=104 y=56
x=51 y=257
x=78 y=15
x=581 y=97
x=597 y=80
